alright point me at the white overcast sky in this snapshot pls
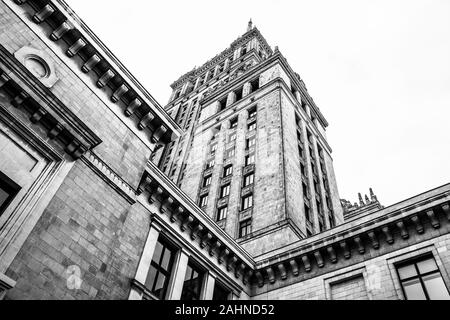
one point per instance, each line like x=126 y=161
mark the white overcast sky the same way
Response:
x=378 y=70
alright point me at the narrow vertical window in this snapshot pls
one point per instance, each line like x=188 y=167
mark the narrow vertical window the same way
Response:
x=245 y=228
x=160 y=269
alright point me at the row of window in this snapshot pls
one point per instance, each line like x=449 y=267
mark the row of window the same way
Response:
x=224 y=102
x=213 y=72
x=161 y=271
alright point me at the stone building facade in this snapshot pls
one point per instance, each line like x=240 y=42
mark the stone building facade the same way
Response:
x=227 y=192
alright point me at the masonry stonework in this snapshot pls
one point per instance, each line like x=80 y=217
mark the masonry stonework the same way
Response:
x=109 y=195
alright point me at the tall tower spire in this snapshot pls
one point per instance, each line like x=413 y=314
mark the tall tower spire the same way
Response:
x=250 y=24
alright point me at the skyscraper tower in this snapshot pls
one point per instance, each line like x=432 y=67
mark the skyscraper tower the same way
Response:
x=254 y=153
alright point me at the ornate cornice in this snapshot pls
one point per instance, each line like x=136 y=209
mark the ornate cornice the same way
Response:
x=365 y=236
x=39 y=113
x=191 y=219
x=99 y=61
x=196 y=72
x=109 y=176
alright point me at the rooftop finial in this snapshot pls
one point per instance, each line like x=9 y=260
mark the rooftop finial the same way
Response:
x=250 y=23
x=361 y=202
x=372 y=195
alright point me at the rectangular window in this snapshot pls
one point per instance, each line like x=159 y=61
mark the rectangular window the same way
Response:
x=220 y=292
x=307 y=213
x=213 y=149
x=331 y=220
x=238 y=93
x=232 y=137
x=248 y=179
x=305 y=190
x=245 y=228
x=250 y=159
x=8 y=190
x=192 y=283
x=227 y=170
x=225 y=191
x=222 y=213
x=302 y=169
x=160 y=269
x=301 y=153
x=421 y=280
x=252 y=113
x=230 y=153
x=247 y=202
x=250 y=142
x=206 y=181
x=233 y=123
x=252 y=126
x=203 y=201
x=210 y=164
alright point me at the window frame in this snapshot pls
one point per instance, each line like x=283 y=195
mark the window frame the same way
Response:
x=227 y=188
x=245 y=225
x=252 y=174
x=200 y=202
x=249 y=156
x=206 y=181
x=414 y=261
x=166 y=245
x=225 y=170
x=10 y=188
x=222 y=216
x=243 y=201
x=202 y=274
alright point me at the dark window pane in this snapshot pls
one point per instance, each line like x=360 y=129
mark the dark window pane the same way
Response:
x=192 y=284
x=151 y=277
x=407 y=271
x=159 y=285
x=166 y=259
x=413 y=290
x=188 y=273
x=157 y=253
x=426 y=266
x=3 y=196
x=220 y=293
x=435 y=286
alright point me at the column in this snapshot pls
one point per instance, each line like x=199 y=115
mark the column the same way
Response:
x=298 y=96
x=208 y=289
x=179 y=272
x=216 y=70
x=247 y=89
x=146 y=259
x=231 y=98
x=308 y=110
x=226 y=64
x=197 y=83
x=237 y=54
x=184 y=88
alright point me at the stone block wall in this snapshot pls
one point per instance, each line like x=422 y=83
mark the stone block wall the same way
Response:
x=87 y=232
